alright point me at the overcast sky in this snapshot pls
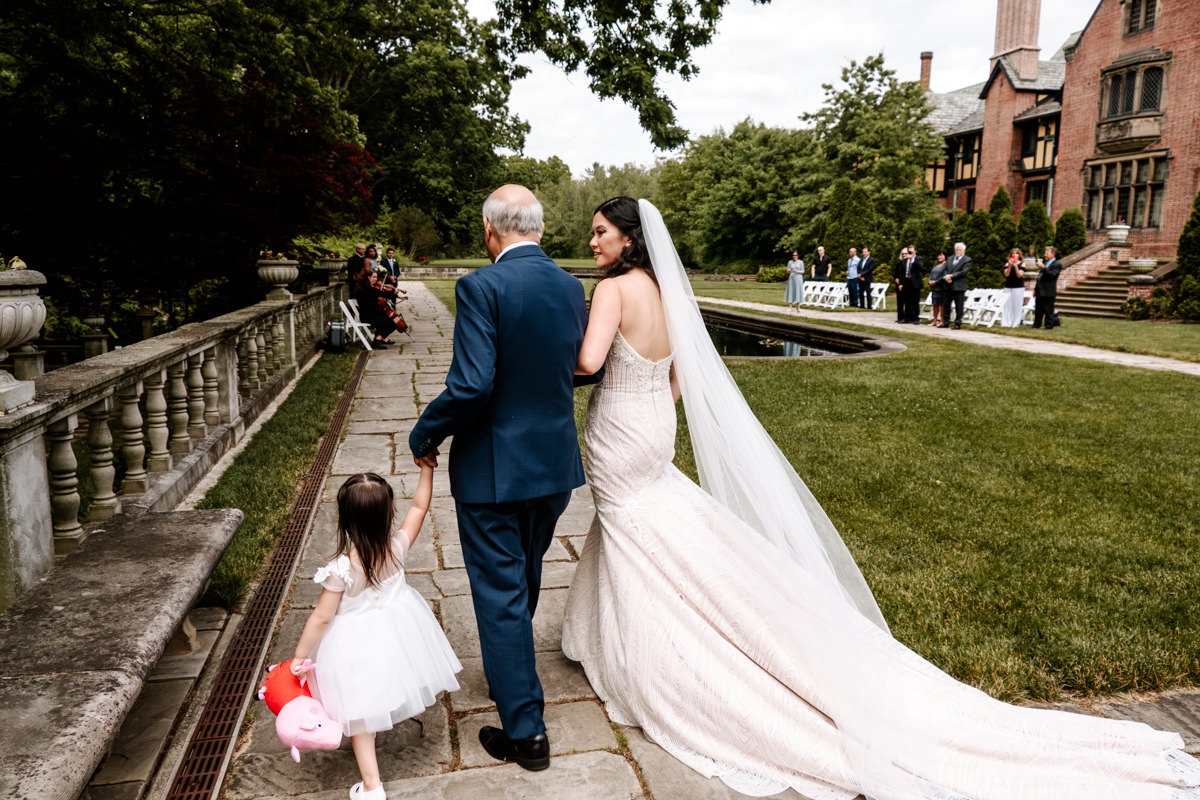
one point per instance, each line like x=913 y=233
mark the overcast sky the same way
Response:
x=768 y=63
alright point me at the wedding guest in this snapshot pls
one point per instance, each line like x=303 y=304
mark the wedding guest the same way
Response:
x=866 y=274
x=368 y=294
x=907 y=275
x=937 y=290
x=392 y=265
x=1014 y=290
x=852 y=277
x=956 y=282
x=794 y=294
x=820 y=265
x=1046 y=290
x=356 y=261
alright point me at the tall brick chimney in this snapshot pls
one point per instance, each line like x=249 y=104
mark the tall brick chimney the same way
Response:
x=1017 y=35
x=926 y=65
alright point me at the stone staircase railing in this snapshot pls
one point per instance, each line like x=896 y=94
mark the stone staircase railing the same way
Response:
x=166 y=407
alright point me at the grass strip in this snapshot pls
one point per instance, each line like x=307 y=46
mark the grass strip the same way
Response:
x=265 y=477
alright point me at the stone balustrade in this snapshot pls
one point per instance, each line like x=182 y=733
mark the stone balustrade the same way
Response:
x=164 y=409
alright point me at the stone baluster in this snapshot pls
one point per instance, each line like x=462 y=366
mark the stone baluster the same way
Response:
x=253 y=379
x=212 y=388
x=133 y=442
x=197 y=429
x=266 y=349
x=104 y=504
x=243 y=365
x=64 y=484
x=281 y=355
x=157 y=431
x=177 y=409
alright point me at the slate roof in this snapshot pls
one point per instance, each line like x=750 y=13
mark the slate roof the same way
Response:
x=1049 y=78
x=1046 y=108
x=952 y=108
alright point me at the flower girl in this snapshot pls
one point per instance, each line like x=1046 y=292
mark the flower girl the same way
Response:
x=380 y=655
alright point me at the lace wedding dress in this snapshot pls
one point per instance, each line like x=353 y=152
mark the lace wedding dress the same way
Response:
x=698 y=629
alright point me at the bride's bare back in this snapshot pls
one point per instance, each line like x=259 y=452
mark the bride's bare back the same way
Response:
x=629 y=303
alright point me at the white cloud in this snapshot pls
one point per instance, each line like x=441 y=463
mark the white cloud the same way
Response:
x=768 y=62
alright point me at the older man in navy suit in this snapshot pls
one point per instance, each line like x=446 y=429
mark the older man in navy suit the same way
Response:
x=509 y=404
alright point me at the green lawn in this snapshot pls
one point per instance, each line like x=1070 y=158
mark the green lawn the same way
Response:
x=265 y=476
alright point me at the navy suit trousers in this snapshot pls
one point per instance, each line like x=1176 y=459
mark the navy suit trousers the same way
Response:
x=503 y=545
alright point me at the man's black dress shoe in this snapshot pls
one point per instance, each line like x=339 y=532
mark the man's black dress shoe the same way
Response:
x=533 y=753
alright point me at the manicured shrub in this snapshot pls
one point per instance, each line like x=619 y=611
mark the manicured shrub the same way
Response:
x=1071 y=232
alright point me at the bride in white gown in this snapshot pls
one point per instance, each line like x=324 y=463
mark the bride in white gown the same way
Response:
x=731 y=624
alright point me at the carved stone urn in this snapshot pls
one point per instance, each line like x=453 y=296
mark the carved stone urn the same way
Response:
x=22 y=314
x=278 y=272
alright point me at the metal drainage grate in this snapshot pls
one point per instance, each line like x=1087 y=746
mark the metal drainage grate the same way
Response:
x=209 y=748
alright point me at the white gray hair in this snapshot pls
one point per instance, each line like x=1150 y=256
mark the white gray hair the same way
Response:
x=509 y=217
x=960 y=244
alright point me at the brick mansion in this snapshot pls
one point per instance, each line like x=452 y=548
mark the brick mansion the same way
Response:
x=1110 y=124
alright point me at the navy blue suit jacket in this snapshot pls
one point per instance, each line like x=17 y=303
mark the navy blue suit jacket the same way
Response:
x=509 y=400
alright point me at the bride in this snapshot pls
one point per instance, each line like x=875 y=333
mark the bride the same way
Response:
x=732 y=625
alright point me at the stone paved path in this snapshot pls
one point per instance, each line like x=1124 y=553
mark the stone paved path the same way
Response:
x=886 y=320
x=593 y=760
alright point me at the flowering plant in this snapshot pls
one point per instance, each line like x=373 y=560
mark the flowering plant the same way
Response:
x=272 y=254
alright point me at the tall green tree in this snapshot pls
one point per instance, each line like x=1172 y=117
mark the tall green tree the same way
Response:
x=726 y=199
x=1071 y=232
x=873 y=130
x=1034 y=230
x=1187 y=270
x=986 y=251
x=851 y=222
x=570 y=204
x=1003 y=224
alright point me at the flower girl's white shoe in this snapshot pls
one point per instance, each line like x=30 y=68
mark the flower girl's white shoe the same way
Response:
x=358 y=793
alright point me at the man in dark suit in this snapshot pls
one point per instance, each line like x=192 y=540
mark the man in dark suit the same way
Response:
x=866 y=274
x=356 y=262
x=907 y=275
x=509 y=404
x=1046 y=290
x=390 y=263
x=956 y=283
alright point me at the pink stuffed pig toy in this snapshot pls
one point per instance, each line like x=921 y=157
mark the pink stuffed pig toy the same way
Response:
x=300 y=721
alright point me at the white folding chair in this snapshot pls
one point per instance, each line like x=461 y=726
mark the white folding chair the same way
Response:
x=1027 y=308
x=350 y=315
x=972 y=304
x=991 y=309
x=926 y=309
x=879 y=296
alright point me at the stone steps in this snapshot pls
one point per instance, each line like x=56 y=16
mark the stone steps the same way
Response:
x=1098 y=296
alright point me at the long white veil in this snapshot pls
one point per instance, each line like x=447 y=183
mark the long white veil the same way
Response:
x=737 y=461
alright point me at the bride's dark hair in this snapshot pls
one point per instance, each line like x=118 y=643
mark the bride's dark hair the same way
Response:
x=623 y=213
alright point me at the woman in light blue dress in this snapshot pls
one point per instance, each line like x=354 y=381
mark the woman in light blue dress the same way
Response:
x=794 y=294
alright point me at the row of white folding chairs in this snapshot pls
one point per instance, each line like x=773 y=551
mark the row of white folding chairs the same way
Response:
x=983 y=307
x=835 y=294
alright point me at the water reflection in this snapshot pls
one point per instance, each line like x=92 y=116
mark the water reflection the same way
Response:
x=740 y=343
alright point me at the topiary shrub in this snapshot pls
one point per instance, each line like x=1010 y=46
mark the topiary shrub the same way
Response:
x=1034 y=231
x=1071 y=232
x=1136 y=308
x=1187 y=291
x=772 y=275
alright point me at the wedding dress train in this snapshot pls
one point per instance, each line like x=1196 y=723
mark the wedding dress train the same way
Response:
x=696 y=628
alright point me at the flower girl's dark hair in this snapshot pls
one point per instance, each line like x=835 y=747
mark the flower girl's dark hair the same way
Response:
x=623 y=213
x=366 y=511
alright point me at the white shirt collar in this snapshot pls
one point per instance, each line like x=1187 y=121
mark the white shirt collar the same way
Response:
x=513 y=246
